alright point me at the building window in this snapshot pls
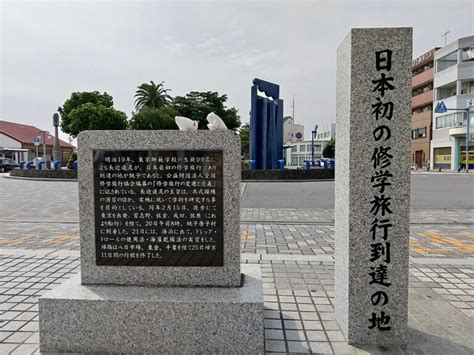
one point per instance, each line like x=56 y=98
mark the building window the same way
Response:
x=450 y=120
x=293 y=149
x=418 y=133
x=468 y=54
x=422 y=132
x=446 y=91
x=467 y=87
x=447 y=61
x=302 y=148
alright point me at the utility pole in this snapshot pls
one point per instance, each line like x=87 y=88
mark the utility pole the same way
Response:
x=293 y=107
x=44 y=142
x=445 y=35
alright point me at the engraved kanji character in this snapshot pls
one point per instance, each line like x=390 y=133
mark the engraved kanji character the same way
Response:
x=380 y=132
x=381 y=177
x=380 y=322
x=383 y=84
x=377 y=250
x=381 y=157
x=383 y=59
x=382 y=204
x=382 y=224
x=382 y=109
x=377 y=297
x=379 y=275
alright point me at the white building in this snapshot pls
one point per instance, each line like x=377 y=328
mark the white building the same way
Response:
x=326 y=133
x=454 y=85
x=292 y=132
x=301 y=151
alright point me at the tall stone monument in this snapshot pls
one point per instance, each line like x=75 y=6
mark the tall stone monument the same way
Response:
x=160 y=250
x=373 y=184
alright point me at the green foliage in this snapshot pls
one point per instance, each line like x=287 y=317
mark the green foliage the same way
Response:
x=89 y=116
x=330 y=149
x=75 y=101
x=151 y=95
x=244 y=133
x=197 y=105
x=153 y=118
x=70 y=162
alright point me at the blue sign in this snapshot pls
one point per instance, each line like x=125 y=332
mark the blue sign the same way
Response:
x=441 y=107
x=36 y=140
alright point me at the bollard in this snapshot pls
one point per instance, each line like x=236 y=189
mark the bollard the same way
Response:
x=41 y=165
x=22 y=164
x=75 y=165
x=281 y=164
x=308 y=165
x=57 y=165
x=332 y=164
x=29 y=165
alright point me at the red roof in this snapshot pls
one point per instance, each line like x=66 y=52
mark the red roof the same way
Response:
x=25 y=134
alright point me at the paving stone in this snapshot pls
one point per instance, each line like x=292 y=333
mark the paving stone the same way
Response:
x=275 y=345
x=298 y=347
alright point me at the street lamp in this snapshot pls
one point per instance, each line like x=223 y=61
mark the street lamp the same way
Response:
x=313 y=137
x=56 y=148
x=441 y=108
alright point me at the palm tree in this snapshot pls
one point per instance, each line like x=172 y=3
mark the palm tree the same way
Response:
x=151 y=95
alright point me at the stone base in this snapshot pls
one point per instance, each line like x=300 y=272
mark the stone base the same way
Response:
x=131 y=319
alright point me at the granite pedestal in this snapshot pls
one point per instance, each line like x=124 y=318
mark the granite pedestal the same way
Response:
x=160 y=250
x=132 y=320
x=372 y=184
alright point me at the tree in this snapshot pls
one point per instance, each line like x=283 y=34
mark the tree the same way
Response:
x=89 y=116
x=244 y=133
x=153 y=118
x=90 y=110
x=151 y=95
x=76 y=100
x=197 y=105
x=330 y=149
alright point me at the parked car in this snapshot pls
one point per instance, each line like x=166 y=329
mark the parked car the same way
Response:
x=7 y=164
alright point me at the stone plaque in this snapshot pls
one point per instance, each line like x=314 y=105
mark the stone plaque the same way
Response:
x=158 y=207
x=373 y=184
x=180 y=193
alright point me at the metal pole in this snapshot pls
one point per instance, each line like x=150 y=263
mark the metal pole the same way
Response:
x=44 y=143
x=468 y=138
x=56 y=148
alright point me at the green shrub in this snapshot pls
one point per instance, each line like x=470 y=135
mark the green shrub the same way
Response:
x=72 y=158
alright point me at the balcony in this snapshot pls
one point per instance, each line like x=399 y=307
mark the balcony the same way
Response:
x=422 y=99
x=422 y=78
x=458 y=131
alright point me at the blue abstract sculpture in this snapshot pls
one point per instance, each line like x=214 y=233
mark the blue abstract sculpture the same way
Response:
x=266 y=125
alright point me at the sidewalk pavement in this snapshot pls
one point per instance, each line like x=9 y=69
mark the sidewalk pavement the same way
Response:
x=295 y=248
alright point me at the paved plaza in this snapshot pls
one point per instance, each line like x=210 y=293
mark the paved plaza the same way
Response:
x=287 y=228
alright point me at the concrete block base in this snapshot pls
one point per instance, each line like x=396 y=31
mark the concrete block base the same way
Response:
x=131 y=319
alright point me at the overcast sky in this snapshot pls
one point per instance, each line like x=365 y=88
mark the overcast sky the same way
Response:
x=50 y=49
